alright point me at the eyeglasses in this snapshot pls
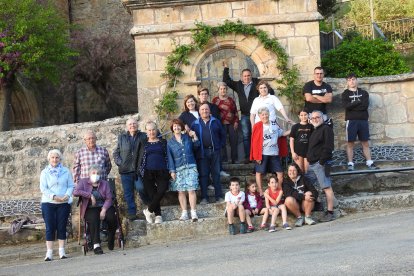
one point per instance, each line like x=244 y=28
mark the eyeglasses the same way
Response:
x=318 y=73
x=316 y=118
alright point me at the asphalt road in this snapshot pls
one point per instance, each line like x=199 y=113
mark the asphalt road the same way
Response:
x=376 y=243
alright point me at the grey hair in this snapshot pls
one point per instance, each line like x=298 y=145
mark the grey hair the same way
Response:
x=263 y=109
x=150 y=123
x=89 y=131
x=55 y=151
x=317 y=111
x=130 y=119
x=221 y=83
x=94 y=167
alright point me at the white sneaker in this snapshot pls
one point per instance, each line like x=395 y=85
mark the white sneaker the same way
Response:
x=184 y=216
x=148 y=216
x=223 y=173
x=210 y=187
x=158 y=219
x=194 y=216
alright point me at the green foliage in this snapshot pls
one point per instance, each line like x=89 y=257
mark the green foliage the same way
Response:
x=202 y=34
x=367 y=58
x=384 y=10
x=167 y=106
x=34 y=39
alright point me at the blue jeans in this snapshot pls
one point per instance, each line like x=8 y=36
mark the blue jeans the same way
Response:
x=210 y=164
x=246 y=129
x=56 y=218
x=129 y=183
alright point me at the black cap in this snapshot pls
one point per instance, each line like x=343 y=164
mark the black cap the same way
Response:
x=351 y=75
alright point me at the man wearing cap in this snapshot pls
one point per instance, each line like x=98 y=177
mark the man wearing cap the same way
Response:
x=317 y=94
x=356 y=101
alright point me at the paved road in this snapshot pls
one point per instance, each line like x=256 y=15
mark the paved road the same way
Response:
x=359 y=244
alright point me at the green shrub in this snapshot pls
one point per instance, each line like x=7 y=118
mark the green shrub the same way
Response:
x=367 y=58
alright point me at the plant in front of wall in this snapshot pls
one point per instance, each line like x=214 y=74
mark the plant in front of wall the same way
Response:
x=201 y=35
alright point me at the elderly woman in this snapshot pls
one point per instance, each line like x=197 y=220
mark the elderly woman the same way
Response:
x=264 y=148
x=229 y=119
x=299 y=195
x=154 y=172
x=190 y=113
x=56 y=185
x=96 y=206
x=183 y=167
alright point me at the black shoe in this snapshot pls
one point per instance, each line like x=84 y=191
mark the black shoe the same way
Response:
x=98 y=251
x=232 y=231
x=111 y=241
x=47 y=259
x=243 y=228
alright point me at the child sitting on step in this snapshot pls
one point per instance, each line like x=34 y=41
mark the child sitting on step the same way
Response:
x=253 y=205
x=234 y=206
x=275 y=204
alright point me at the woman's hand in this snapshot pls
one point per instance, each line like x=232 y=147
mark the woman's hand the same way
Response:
x=65 y=198
x=173 y=176
x=192 y=134
x=259 y=162
x=102 y=214
x=256 y=211
x=235 y=125
x=295 y=156
x=93 y=200
x=309 y=196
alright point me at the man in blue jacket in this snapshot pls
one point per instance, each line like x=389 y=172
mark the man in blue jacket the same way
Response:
x=212 y=138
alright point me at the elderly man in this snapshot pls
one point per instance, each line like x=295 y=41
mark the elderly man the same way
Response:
x=130 y=144
x=212 y=139
x=356 y=101
x=90 y=154
x=321 y=145
x=317 y=93
x=246 y=92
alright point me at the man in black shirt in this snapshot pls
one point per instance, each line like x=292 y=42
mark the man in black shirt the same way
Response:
x=356 y=101
x=317 y=93
x=246 y=92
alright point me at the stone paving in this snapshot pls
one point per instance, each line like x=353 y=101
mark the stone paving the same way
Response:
x=378 y=153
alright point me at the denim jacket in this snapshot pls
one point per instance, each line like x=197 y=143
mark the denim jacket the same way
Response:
x=181 y=154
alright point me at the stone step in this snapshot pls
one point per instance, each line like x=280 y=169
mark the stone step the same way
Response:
x=170 y=213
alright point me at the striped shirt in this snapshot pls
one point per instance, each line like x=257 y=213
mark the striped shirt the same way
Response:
x=84 y=158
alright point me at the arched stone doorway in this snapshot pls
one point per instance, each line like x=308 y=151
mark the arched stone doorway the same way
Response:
x=210 y=70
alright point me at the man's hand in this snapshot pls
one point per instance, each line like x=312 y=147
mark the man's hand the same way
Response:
x=93 y=200
x=225 y=65
x=173 y=176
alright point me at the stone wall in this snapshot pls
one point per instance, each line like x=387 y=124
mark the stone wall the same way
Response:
x=23 y=153
x=157 y=23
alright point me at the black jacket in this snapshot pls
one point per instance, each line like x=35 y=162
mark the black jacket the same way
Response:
x=321 y=145
x=238 y=86
x=297 y=190
x=355 y=104
x=126 y=154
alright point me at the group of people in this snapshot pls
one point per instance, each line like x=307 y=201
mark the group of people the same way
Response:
x=193 y=156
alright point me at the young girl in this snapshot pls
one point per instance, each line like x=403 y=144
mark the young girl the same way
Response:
x=234 y=206
x=253 y=205
x=299 y=139
x=275 y=204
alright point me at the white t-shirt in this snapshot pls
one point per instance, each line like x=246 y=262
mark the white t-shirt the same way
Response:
x=252 y=201
x=195 y=113
x=270 y=135
x=270 y=101
x=237 y=199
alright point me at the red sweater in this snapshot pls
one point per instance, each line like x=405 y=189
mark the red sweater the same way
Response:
x=256 y=145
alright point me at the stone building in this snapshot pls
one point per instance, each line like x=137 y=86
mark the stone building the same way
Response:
x=156 y=24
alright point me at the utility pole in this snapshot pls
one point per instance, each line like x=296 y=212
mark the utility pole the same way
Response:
x=371 y=7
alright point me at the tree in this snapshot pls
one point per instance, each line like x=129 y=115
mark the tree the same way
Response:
x=384 y=10
x=101 y=55
x=327 y=7
x=34 y=41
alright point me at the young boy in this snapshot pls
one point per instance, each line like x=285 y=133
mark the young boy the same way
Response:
x=234 y=206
